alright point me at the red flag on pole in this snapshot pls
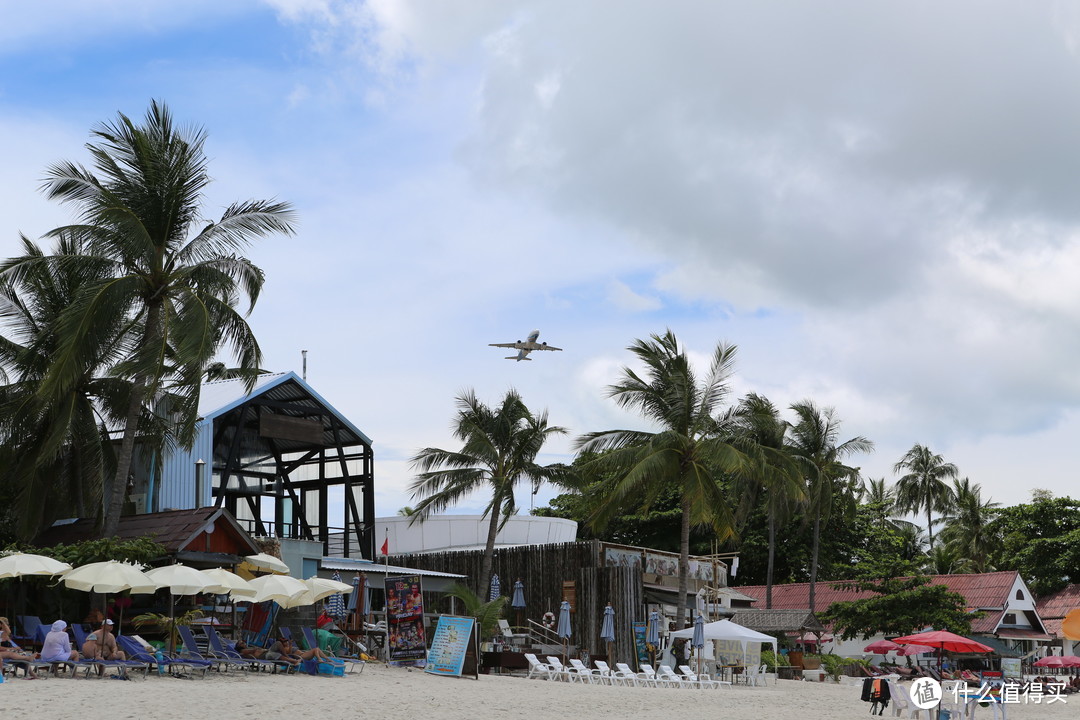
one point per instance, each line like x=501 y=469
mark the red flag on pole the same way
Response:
x=385 y=549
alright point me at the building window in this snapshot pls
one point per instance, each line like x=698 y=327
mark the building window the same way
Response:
x=1019 y=594
x=1009 y=619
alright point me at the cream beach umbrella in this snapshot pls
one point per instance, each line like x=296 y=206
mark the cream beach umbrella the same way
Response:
x=179 y=580
x=279 y=588
x=269 y=563
x=316 y=588
x=110 y=576
x=224 y=582
x=18 y=564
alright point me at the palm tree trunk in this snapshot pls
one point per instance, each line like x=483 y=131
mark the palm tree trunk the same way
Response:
x=769 y=566
x=123 y=458
x=484 y=581
x=814 y=559
x=929 y=527
x=684 y=564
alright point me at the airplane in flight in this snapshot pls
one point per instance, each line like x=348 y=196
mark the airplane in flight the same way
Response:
x=524 y=348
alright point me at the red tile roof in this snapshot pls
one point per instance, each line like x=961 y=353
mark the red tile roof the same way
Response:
x=984 y=591
x=1057 y=605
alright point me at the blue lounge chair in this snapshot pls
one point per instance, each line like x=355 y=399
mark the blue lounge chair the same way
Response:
x=191 y=651
x=222 y=651
x=166 y=663
x=121 y=665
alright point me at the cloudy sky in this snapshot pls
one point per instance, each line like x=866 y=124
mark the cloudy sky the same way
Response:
x=878 y=203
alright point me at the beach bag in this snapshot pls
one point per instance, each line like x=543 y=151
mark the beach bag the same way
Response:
x=311 y=667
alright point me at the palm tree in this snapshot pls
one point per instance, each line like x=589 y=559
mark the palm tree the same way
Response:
x=54 y=454
x=761 y=434
x=923 y=485
x=499 y=449
x=967 y=524
x=177 y=285
x=882 y=498
x=691 y=451
x=813 y=444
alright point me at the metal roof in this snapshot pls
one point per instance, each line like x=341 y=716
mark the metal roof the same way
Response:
x=368 y=566
x=220 y=396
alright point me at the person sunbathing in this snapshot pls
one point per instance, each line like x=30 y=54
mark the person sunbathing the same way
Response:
x=249 y=651
x=285 y=651
x=19 y=656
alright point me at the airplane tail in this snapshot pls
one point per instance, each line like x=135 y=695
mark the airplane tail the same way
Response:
x=519 y=359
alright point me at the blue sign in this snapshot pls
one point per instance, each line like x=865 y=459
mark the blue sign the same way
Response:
x=449 y=643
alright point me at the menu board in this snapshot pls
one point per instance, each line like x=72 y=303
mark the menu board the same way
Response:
x=449 y=643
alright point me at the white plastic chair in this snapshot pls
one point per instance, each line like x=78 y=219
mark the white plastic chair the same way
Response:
x=605 y=674
x=652 y=677
x=673 y=678
x=578 y=670
x=560 y=671
x=622 y=670
x=901 y=701
x=538 y=669
x=755 y=676
x=702 y=680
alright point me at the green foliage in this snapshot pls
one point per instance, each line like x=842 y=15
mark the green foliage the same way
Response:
x=901 y=607
x=141 y=550
x=487 y=614
x=768 y=658
x=833 y=664
x=1039 y=539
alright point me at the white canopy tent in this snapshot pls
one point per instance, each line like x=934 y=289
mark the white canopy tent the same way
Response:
x=732 y=632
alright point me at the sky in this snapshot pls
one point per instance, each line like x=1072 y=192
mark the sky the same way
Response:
x=876 y=203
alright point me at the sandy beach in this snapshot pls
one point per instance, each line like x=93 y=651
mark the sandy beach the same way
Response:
x=381 y=690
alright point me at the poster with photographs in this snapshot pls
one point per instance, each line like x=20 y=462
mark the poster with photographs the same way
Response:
x=656 y=564
x=617 y=557
x=405 y=620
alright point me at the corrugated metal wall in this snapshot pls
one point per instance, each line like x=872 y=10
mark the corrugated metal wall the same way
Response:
x=177 y=489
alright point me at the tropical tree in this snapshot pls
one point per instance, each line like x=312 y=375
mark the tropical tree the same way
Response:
x=923 y=486
x=174 y=279
x=499 y=449
x=967 y=525
x=54 y=454
x=813 y=444
x=770 y=471
x=690 y=451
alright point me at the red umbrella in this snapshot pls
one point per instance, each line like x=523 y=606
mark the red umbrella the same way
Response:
x=1052 y=661
x=1071 y=660
x=914 y=650
x=944 y=640
x=881 y=647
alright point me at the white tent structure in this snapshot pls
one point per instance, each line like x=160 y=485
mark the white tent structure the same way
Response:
x=729 y=631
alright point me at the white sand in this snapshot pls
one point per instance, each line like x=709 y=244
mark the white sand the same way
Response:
x=403 y=694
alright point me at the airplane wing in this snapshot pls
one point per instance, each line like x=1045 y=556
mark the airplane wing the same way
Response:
x=539 y=346
x=516 y=345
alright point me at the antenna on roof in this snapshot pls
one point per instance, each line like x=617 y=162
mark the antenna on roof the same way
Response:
x=304 y=368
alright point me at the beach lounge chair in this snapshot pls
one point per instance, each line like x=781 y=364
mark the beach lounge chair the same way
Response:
x=560 y=671
x=584 y=674
x=220 y=650
x=640 y=678
x=189 y=650
x=703 y=680
x=122 y=666
x=27 y=627
x=622 y=674
x=538 y=669
x=166 y=663
x=673 y=678
x=347 y=664
x=653 y=678
x=604 y=674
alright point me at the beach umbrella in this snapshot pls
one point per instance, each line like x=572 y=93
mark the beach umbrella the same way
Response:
x=180 y=580
x=335 y=604
x=1071 y=661
x=652 y=634
x=563 y=628
x=279 y=588
x=224 y=582
x=607 y=629
x=943 y=640
x=18 y=564
x=906 y=650
x=1051 y=661
x=496 y=588
x=316 y=588
x=518 y=600
x=109 y=576
x=882 y=647
x=269 y=563
x=698 y=641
